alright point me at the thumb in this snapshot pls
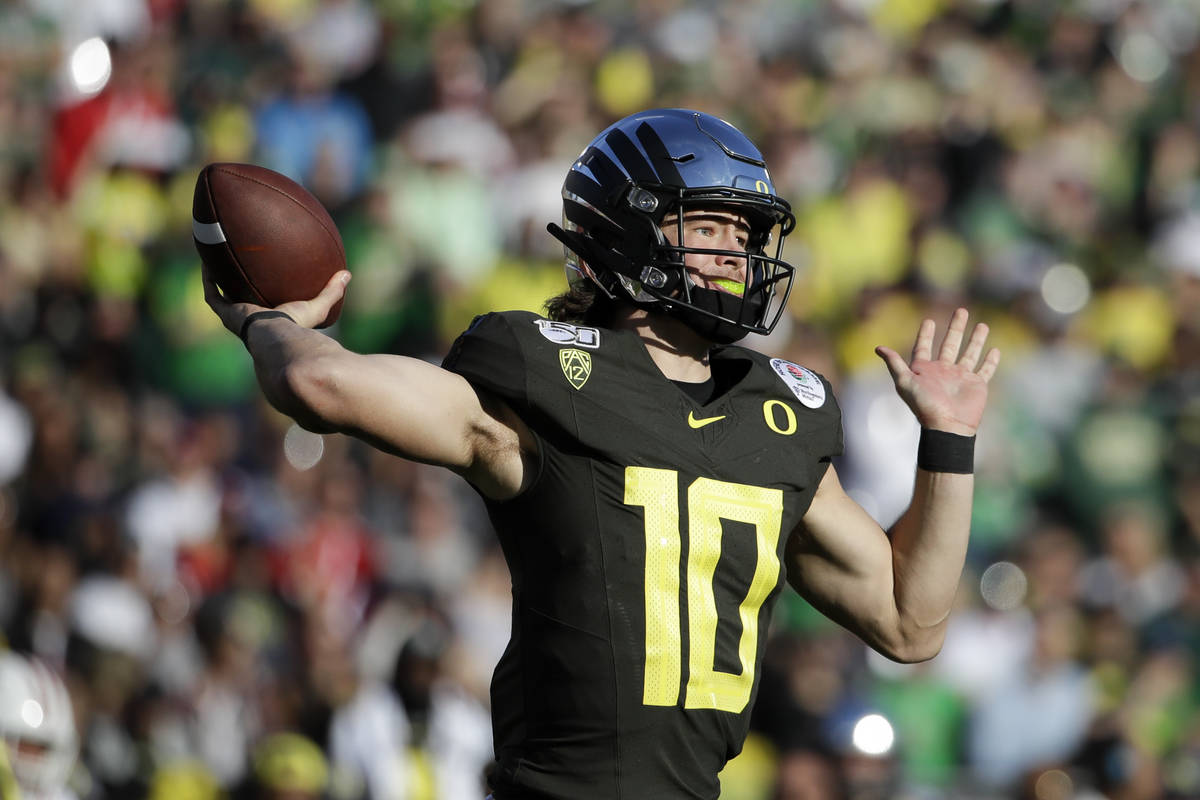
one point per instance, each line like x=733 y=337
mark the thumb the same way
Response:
x=312 y=313
x=894 y=361
x=330 y=296
x=334 y=288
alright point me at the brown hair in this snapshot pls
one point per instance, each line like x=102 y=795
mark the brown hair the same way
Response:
x=583 y=303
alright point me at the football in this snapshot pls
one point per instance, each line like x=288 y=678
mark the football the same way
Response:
x=265 y=238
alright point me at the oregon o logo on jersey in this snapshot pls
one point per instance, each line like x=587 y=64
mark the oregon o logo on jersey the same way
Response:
x=789 y=425
x=576 y=366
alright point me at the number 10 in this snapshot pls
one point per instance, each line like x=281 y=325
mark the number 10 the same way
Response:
x=709 y=502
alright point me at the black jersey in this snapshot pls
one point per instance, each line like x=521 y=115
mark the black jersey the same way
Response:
x=646 y=555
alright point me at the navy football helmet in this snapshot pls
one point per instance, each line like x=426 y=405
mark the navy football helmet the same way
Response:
x=660 y=164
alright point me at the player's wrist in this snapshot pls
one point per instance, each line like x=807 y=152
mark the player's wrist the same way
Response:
x=947 y=424
x=945 y=451
x=256 y=316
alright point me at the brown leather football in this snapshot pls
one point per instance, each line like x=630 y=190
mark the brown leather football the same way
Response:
x=265 y=238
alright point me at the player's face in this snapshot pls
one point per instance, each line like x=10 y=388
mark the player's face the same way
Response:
x=712 y=229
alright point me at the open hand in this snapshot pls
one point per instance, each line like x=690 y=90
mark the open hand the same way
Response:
x=306 y=313
x=948 y=394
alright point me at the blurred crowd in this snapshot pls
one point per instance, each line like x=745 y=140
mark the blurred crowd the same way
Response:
x=240 y=608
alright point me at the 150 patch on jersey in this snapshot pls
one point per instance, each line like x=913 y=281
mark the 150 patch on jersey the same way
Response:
x=804 y=383
x=566 y=333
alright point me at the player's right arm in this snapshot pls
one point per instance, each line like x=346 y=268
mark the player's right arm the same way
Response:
x=401 y=405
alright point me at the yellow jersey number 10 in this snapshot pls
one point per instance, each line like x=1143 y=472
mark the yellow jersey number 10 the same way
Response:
x=708 y=502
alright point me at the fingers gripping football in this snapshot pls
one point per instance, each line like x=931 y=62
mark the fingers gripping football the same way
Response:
x=306 y=313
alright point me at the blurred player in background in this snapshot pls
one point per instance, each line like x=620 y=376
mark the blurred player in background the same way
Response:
x=37 y=725
x=650 y=483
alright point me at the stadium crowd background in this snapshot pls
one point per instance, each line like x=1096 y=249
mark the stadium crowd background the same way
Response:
x=242 y=608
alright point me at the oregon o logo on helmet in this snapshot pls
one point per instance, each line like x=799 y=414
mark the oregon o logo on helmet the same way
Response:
x=761 y=186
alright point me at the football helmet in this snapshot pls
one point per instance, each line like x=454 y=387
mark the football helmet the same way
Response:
x=650 y=169
x=37 y=725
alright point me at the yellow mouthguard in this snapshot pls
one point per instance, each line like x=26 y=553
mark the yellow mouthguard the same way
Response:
x=729 y=285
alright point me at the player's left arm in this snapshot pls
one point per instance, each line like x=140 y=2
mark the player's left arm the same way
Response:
x=896 y=589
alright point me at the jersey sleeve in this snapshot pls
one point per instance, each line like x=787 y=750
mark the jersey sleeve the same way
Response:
x=490 y=357
x=831 y=444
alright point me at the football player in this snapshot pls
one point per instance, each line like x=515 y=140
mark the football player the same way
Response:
x=38 y=740
x=652 y=485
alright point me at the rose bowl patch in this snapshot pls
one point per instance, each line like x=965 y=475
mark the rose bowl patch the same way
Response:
x=804 y=383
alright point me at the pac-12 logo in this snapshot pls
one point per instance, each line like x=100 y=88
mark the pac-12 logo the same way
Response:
x=566 y=333
x=576 y=366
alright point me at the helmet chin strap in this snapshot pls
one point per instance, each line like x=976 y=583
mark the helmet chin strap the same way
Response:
x=718 y=303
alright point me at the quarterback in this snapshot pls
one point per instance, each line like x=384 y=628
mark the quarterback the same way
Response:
x=651 y=483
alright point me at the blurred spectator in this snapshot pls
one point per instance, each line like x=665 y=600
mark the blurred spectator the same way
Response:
x=178 y=508
x=1039 y=715
x=16 y=436
x=46 y=574
x=984 y=648
x=1133 y=575
x=287 y=766
x=435 y=552
x=339 y=36
x=183 y=781
x=315 y=134
x=328 y=564
x=809 y=775
x=236 y=632
x=451 y=736
x=367 y=727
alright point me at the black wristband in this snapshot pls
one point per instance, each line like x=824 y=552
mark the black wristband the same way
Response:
x=942 y=451
x=256 y=316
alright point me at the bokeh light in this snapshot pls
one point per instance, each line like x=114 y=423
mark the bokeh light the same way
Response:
x=174 y=604
x=1066 y=288
x=303 y=449
x=1054 y=784
x=91 y=66
x=1143 y=57
x=874 y=735
x=1003 y=586
x=32 y=714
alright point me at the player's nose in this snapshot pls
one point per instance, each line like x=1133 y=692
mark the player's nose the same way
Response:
x=730 y=260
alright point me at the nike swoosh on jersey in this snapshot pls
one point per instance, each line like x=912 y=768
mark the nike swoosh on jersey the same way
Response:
x=700 y=423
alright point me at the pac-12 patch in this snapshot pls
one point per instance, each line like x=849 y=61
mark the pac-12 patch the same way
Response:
x=566 y=333
x=576 y=366
x=804 y=383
